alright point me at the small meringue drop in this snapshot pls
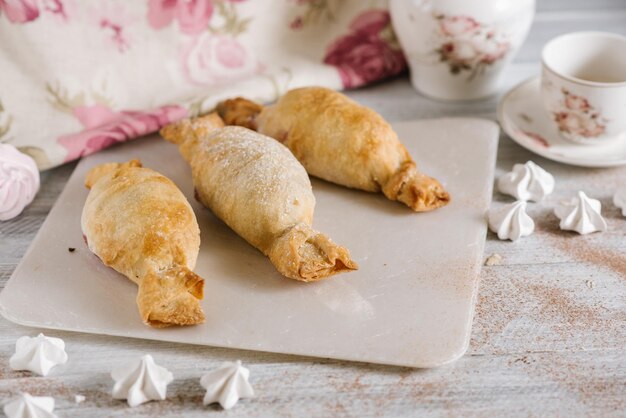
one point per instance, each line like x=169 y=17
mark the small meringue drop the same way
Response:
x=227 y=384
x=39 y=354
x=27 y=406
x=141 y=381
x=511 y=221
x=581 y=214
x=526 y=182
x=619 y=200
x=19 y=181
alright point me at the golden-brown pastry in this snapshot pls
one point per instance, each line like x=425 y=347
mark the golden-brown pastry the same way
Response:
x=340 y=141
x=256 y=186
x=139 y=223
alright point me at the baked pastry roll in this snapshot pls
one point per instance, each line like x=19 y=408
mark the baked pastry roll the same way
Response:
x=257 y=187
x=139 y=223
x=340 y=141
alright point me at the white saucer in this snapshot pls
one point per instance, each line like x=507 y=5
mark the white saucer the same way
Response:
x=523 y=118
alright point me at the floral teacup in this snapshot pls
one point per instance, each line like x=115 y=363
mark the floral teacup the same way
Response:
x=583 y=86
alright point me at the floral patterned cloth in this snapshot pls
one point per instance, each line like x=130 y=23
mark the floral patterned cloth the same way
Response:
x=79 y=75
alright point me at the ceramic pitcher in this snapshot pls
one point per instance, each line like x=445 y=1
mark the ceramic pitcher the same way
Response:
x=458 y=49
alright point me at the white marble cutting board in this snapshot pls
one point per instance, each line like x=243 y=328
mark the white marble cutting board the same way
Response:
x=411 y=302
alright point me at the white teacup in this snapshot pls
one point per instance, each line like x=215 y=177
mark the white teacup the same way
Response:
x=583 y=86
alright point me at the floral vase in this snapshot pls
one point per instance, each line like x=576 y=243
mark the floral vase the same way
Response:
x=458 y=49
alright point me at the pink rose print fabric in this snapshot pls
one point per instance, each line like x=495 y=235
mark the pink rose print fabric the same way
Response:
x=103 y=127
x=369 y=52
x=214 y=59
x=19 y=11
x=115 y=25
x=192 y=16
x=24 y=11
x=89 y=74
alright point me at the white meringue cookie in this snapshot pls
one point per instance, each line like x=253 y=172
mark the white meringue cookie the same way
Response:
x=526 y=182
x=581 y=214
x=141 y=381
x=27 y=406
x=38 y=354
x=19 y=181
x=511 y=221
x=619 y=200
x=227 y=385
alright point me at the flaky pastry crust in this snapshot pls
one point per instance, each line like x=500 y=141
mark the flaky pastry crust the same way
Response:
x=340 y=141
x=139 y=223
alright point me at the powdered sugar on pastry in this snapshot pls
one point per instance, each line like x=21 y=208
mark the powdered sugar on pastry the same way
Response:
x=257 y=187
x=265 y=172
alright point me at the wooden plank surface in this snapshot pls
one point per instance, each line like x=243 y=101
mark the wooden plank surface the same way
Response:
x=549 y=336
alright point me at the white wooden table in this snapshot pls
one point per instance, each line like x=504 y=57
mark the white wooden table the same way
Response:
x=549 y=336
